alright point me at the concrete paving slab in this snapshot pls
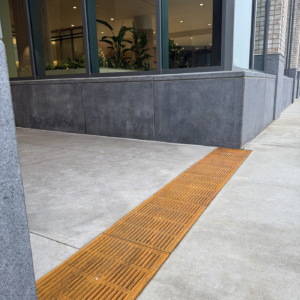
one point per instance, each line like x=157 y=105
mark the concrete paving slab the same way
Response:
x=48 y=254
x=242 y=247
x=246 y=244
x=275 y=135
x=278 y=166
x=74 y=203
x=114 y=146
x=77 y=186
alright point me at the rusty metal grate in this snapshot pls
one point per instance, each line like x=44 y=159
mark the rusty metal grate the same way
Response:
x=120 y=262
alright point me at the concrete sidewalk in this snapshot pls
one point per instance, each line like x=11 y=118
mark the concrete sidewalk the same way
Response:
x=77 y=186
x=246 y=245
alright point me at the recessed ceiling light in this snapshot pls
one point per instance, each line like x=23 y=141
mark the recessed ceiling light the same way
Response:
x=197 y=48
x=201 y=4
x=209 y=44
x=112 y=19
x=209 y=24
x=176 y=44
x=102 y=32
x=72 y=25
x=181 y=21
x=74 y=7
x=153 y=31
x=191 y=38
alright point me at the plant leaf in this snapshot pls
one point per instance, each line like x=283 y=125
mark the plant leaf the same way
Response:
x=127 y=41
x=106 y=41
x=105 y=24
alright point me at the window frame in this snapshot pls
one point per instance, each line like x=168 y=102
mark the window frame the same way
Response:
x=227 y=26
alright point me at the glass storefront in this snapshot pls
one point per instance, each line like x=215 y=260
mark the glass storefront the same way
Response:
x=126 y=35
x=190 y=33
x=16 y=37
x=242 y=33
x=94 y=37
x=62 y=37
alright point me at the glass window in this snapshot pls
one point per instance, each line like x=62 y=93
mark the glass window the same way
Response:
x=62 y=36
x=242 y=33
x=16 y=37
x=126 y=35
x=194 y=33
x=259 y=35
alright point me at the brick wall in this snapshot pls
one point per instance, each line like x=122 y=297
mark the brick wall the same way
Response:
x=277 y=26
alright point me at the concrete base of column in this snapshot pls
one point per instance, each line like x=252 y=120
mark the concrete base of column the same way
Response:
x=275 y=66
x=293 y=74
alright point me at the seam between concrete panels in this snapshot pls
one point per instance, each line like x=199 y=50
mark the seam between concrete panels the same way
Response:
x=153 y=101
x=45 y=237
x=242 y=116
x=83 y=108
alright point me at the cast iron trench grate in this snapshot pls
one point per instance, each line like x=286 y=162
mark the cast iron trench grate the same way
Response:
x=120 y=262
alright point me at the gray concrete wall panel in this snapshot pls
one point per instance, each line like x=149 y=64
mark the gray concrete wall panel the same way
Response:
x=196 y=108
x=206 y=112
x=56 y=107
x=287 y=93
x=258 y=106
x=275 y=66
x=294 y=75
x=21 y=107
x=120 y=109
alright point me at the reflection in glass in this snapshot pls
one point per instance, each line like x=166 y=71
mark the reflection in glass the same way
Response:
x=62 y=36
x=190 y=33
x=126 y=35
x=16 y=37
x=259 y=35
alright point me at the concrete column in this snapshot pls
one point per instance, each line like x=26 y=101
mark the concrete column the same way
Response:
x=276 y=49
x=293 y=74
x=16 y=268
x=275 y=66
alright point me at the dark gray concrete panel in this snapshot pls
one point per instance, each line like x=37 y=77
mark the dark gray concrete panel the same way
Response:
x=56 y=107
x=16 y=268
x=294 y=75
x=269 y=101
x=287 y=93
x=275 y=66
x=20 y=105
x=258 y=106
x=204 y=112
x=120 y=109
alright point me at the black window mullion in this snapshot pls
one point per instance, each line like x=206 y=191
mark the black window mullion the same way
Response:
x=90 y=36
x=165 y=33
x=36 y=40
x=266 y=35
